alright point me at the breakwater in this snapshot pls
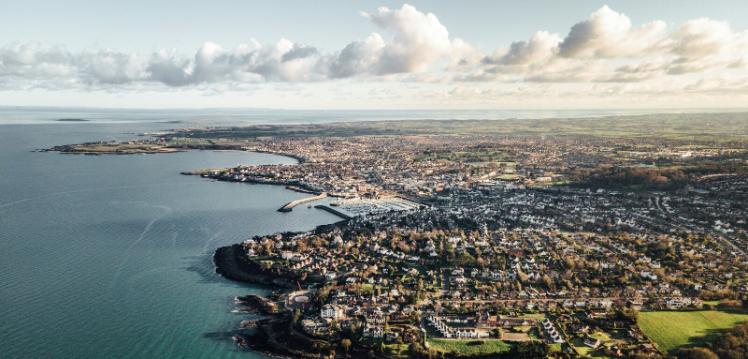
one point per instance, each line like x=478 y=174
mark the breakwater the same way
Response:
x=333 y=211
x=288 y=207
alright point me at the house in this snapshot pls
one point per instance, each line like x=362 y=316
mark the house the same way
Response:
x=469 y=332
x=373 y=331
x=592 y=342
x=551 y=332
x=333 y=312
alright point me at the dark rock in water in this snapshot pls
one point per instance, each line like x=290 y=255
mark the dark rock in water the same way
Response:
x=254 y=302
x=241 y=341
x=248 y=324
x=232 y=263
x=71 y=120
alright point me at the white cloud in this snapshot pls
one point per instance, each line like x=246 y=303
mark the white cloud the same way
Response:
x=419 y=39
x=541 y=47
x=703 y=44
x=414 y=46
x=112 y=67
x=607 y=47
x=358 y=57
x=607 y=33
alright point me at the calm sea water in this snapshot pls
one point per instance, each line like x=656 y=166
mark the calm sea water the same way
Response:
x=110 y=256
x=211 y=117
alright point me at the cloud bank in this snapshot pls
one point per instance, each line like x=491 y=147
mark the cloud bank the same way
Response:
x=409 y=45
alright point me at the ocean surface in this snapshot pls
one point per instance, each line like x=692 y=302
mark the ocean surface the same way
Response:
x=180 y=118
x=110 y=256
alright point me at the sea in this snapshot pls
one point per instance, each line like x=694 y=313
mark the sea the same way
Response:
x=110 y=256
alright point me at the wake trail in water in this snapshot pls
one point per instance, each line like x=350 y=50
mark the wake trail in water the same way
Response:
x=128 y=252
x=211 y=239
x=174 y=239
x=62 y=193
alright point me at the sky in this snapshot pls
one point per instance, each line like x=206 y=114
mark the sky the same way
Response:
x=375 y=54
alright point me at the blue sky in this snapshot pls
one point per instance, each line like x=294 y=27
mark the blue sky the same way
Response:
x=150 y=25
x=146 y=53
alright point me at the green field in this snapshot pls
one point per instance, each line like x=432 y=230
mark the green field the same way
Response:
x=469 y=347
x=672 y=330
x=712 y=127
x=396 y=350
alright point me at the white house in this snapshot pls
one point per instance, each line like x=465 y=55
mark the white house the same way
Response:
x=333 y=312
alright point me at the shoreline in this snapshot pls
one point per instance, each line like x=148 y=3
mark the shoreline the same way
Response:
x=75 y=149
x=232 y=263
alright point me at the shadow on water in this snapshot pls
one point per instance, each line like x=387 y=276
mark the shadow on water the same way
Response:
x=221 y=335
x=204 y=267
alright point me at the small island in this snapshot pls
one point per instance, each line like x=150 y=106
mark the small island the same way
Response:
x=71 y=120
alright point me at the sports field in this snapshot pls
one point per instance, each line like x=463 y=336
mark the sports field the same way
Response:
x=672 y=330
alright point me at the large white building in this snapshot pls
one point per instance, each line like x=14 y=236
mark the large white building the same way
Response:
x=332 y=312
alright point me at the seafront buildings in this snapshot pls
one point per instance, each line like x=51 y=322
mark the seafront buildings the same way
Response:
x=525 y=240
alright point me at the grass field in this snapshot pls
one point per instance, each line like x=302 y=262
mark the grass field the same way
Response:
x=672 y=330
x=397 y=350
x=469 y=347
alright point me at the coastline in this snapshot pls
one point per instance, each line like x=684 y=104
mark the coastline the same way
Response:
x=232 y=263
x=146 y=147
x=266 y=336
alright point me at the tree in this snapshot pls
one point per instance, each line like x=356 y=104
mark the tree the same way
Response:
x=548 y=281
x=733 y=344
x=321 y=296
x=380 y=347
x=267 y=248
x=529 y=350
x=346 y=344
x=697 y=353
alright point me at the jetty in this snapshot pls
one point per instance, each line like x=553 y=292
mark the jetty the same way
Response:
x=333 y=211
x=288 y=207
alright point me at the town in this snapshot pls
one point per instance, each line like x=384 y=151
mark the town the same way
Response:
x=479 y=239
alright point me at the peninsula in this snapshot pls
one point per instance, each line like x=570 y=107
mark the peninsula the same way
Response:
x=478 y=239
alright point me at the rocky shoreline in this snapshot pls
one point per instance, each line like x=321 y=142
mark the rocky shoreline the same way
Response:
x=270 y=335
x=232 y=263
x=265 y=335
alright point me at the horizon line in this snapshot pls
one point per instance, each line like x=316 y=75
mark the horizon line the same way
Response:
x=643 y=109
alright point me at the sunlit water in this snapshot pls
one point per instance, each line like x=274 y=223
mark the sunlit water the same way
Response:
x=110 y=256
